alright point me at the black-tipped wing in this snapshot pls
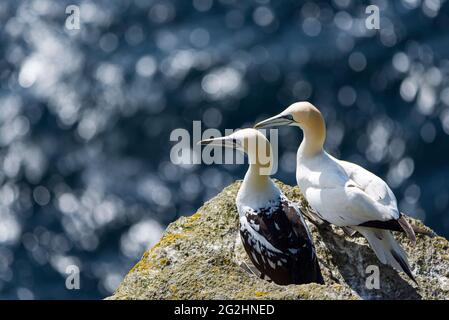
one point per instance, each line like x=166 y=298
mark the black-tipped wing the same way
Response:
x=400 y=225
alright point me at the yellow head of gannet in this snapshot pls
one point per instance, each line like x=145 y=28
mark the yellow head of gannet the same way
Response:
x=306 y=116
x=253 y=143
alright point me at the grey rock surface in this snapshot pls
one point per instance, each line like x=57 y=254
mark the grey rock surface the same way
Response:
x=199 y=257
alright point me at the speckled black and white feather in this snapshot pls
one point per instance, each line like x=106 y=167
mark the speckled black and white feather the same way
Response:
x=278 y=242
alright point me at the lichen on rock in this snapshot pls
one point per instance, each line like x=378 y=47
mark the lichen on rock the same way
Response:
x=199 y=257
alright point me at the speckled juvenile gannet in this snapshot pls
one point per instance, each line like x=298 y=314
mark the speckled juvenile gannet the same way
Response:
x=343 y=193
x=272 y=229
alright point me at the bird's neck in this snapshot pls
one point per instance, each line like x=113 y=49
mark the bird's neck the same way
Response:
x=314 y=136
x=260 y=160
x=256 y=189
x=254 y=180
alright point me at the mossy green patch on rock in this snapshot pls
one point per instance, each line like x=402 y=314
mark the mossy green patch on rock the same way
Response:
x=199 y=257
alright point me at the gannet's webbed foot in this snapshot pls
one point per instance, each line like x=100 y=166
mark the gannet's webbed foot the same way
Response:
x=250 y=269
x=348 y=231
x=407 y=228
x=313 y=217
x=265 y=277
x=254 y=272
x=421 y=230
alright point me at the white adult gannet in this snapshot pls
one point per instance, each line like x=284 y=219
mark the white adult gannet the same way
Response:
x=272 y=229
x=343 y=193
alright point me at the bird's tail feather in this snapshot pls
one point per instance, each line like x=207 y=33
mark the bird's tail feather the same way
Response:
x=387 y=250
x=407 y=229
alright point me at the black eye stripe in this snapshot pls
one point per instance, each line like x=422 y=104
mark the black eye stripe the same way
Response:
x=289 y=117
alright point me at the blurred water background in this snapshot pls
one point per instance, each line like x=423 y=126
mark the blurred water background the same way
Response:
x=85 y=116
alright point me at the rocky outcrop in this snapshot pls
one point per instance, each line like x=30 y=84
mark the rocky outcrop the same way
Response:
x=199 y=257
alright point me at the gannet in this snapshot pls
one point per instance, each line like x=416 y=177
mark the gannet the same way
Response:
x=272 y=229
x=343 y=193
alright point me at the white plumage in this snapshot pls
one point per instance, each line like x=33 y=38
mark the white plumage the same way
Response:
x=341 y=192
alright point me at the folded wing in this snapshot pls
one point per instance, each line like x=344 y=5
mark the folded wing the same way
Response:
x=360 y=197
x=371 y=184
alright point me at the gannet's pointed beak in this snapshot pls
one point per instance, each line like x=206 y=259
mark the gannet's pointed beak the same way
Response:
x=276 y=121
x=221 y=141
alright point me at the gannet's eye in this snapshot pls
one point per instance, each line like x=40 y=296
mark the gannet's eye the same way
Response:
x=289 y=117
